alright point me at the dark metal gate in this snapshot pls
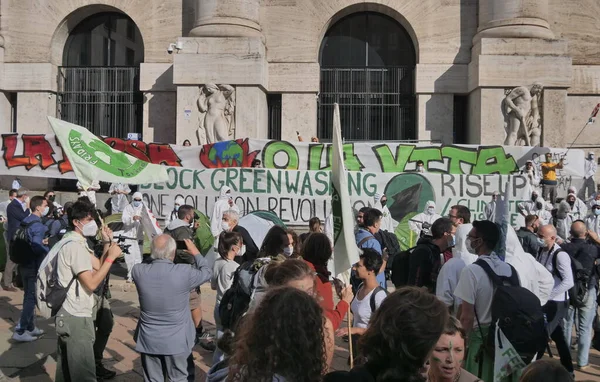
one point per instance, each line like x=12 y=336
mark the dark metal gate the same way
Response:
x=375 y=103
x=106 y=100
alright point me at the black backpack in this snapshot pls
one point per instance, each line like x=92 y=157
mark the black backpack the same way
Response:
x=20 y=247
x=400 y=268
x=372 y=302
x=518 y=313
x=390 y=241
x=236 y=300
x=581 y=278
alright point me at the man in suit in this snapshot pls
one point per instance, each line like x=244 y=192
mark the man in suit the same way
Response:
x=165 y=332
x=16 y=211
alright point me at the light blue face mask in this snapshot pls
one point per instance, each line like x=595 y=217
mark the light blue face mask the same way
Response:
x=597 y=211
x=541 y=242
x=176 y=208
x=452 y=241
x=136 y=203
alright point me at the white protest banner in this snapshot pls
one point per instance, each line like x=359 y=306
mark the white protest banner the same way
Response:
x=296 y=196
x=40 y=155
x=93 y=160
x=150 y=224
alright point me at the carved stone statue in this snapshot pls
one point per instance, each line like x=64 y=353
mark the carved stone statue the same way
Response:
x=217 y=118
x=523 y=121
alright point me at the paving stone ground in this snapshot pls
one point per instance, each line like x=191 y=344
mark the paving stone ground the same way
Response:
x=36 y=361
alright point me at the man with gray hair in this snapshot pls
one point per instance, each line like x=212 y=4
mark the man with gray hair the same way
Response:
x=165 y=332
x=249 y=251
x=17 y=210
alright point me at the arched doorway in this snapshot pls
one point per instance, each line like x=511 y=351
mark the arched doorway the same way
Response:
x=367 y=66
x=99 y=82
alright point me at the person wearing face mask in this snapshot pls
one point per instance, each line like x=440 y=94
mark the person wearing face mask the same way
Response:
x=490 y=208
x=74 y=322
x=425 y=260
x=531 y=174
x=563 y=219
x=28 y=266
x=592 y=222
x=579 y=209
x=476 y=290
x=387 y=222
x=249 y=251
x=51 y=198
x=179 y=201
x=589 y=181
x=420 y=166
x=421 y=223
x=529 y=207
x=528 y=235
x=118 y=200
x=549 y=181
x=558 y=262
x=224 y=203
x=90 y=192
x=133 y=230
x=16 y=211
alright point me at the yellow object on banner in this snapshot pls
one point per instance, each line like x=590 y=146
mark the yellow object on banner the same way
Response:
x=92 y=159
x=345 y=248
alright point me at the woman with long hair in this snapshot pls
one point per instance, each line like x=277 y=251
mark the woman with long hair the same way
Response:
x=316 y=252
x=445 y=362
x=314 y=226
x=276 y=243
x=283 y=340
x=294 y=244
x=399 y=338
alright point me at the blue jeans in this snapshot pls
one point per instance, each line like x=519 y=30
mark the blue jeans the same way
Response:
x=28 y=275
x=584 y=322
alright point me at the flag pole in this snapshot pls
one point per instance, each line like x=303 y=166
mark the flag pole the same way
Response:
x=350 y=339
x=590 y=121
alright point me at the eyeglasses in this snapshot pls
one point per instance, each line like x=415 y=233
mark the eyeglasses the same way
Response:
x=472 y=237
x=452 y=216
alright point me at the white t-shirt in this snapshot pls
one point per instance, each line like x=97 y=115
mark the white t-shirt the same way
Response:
x=476 y=288
x=563 y=263
x=73 y=259
x=361 y=309
x=223 y=271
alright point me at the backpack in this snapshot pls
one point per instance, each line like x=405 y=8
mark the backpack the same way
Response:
x=50 y=294
x=390 y=241
x=52 y=240
x=518 y=312
x=400 y=268
x=581 y=279
x=372 y=302
x=20 y=247
x=236 y=300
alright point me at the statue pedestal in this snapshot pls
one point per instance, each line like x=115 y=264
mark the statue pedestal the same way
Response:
x=501 y=64
x=237 y=61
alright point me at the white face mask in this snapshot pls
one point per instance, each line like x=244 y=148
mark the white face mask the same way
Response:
x=90 y=229
x=420 y=169
x=242 y=251
x=46 y=210
x=430 y=210
x=225 y=226
x=469 y=246
x=136 y=203
x=288 y=251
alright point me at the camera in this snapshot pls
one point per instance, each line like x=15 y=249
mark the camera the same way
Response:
x=174 y=46
x=121 y=243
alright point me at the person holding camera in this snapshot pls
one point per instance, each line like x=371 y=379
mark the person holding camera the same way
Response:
x=133 y=231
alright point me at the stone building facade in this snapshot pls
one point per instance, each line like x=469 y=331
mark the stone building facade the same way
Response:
x=432 y=70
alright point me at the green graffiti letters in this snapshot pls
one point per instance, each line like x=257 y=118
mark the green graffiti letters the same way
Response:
x=273 y=148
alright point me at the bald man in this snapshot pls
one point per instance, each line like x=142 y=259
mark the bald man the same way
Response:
x=586 y=253
x=165 y=332
x=557 y=262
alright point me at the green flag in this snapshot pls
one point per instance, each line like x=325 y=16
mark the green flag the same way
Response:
x=92 y=159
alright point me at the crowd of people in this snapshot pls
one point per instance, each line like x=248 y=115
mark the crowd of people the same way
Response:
x=278 y=309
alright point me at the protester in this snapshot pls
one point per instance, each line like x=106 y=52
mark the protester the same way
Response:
x=399 y=338
x=528 y=235
x=420 y=166
x=387 y=222
x=179 y=201
x=549 y=181
x=133 y=231
x=118 y=200
x=536 y=206
x=546 y=370
x=365 y=239
x=529 y=207
x=187 y=143
x=369 y=297
x=74 y=324
x=230 y=246
x=532 y=175
x=476 y=290
x=592 y=222
x=316 y=252
x=17 y=210
x=579 y=209
x=30 y=262
x=294 y=243
x=51 y=198
x=12 y=194
x=165 y=332
x=589 y=181
x=451 y=270
x=360 y=216
x=231 y=219
x=90 y=192
x=557 y=261
x=445 y=362
x=563 y=219
x=459 y=214
x=224 y=203
x=282 y=340
x=490 y=208
x=275 y=244
x=256 y=163
x=583 y=317
x=314 y=225
x=421 y=223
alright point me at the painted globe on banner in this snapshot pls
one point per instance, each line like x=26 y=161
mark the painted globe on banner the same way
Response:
x=227 y=152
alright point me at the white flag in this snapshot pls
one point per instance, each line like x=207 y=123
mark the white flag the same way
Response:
x=506 y=359
x=345 y=249
x=92 y=159
x=149 y=223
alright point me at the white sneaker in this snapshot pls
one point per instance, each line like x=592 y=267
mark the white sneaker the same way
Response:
x=25 y=337
x=37 y=332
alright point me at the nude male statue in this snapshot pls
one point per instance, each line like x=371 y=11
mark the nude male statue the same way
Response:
x=522 y=113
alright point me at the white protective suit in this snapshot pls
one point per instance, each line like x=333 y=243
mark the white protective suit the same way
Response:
x=592 y=222
x=531 y=208
x=532 y=176
x=416 y=223
x=133 y=229
x=221 y=206
x=490 y=208
x=563 y=220
x=118 y=200
x=579 y=210
x=387 y=223
x=179 y=201
x=450 y=272
x=91 y=192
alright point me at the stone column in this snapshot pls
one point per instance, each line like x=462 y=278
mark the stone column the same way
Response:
x=227 y=18
x=513 y=18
